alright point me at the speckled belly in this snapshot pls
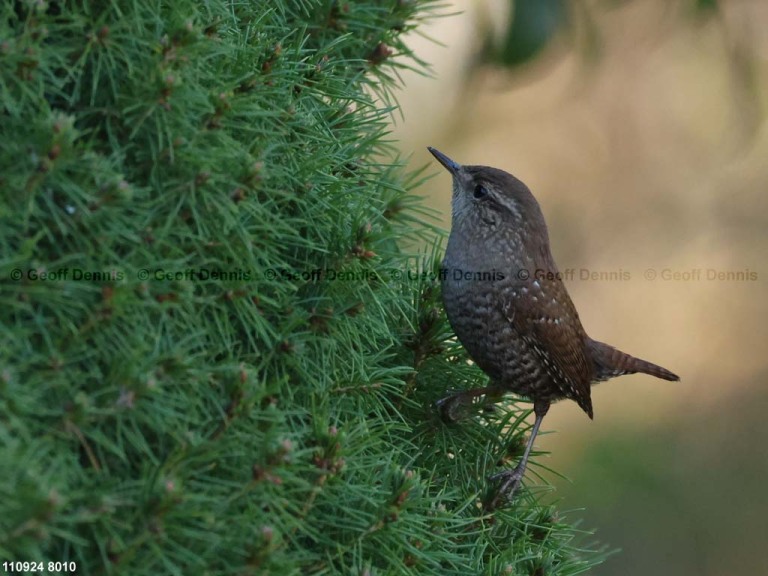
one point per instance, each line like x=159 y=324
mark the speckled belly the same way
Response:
x=475 y=312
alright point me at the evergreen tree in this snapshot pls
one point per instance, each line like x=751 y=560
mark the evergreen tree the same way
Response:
x=218 y=355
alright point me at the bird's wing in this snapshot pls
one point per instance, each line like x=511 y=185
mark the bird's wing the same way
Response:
x=546 y=319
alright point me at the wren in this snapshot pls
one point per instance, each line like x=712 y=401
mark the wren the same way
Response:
x=508 y=306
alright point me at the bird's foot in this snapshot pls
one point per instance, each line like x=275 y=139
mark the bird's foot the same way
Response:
x=508 y=483
x=458 y=405
x=453 y=407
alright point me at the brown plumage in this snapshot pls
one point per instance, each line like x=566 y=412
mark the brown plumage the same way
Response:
x=506 y=301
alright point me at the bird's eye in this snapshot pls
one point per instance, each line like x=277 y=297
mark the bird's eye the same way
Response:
x=480 y=192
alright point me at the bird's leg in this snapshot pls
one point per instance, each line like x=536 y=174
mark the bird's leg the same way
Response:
x=452 y=407
x=510 y=479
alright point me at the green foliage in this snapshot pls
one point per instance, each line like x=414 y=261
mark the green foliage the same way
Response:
x=534 y=25
x=216 y=356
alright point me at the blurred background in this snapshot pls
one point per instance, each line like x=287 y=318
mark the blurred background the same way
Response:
x=640 y=125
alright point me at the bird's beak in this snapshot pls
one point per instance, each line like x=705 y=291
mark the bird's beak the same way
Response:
x=449 y=164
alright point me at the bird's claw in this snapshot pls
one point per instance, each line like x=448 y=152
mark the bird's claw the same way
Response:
x=508 y=483
x=452 y=408
x=458 y=405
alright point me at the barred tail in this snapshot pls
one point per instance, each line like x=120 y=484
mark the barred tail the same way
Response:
x=610 y=362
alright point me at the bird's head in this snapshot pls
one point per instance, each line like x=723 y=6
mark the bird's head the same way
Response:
x=489 y=201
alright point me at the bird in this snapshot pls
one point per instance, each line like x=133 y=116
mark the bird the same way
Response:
x=507 y=304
